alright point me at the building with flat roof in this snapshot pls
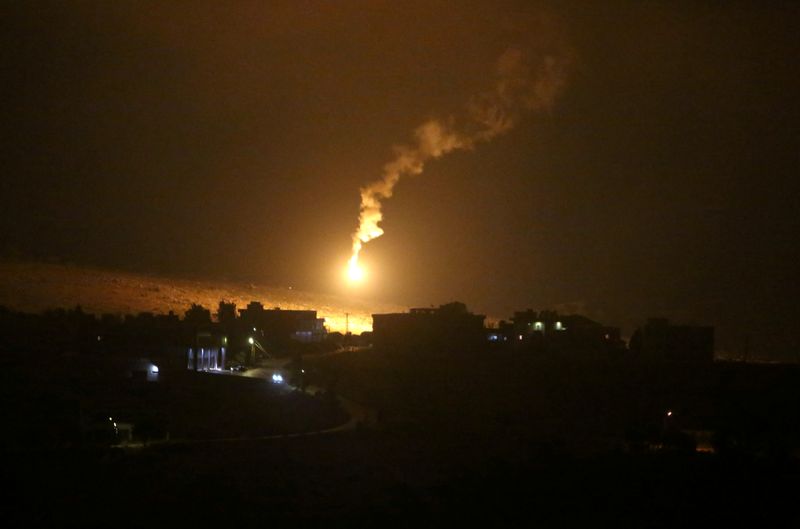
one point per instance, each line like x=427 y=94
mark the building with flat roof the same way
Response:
x=208 y=352
x=660 y=341
x=277 y=326
x=548 y=331
x=447 y=327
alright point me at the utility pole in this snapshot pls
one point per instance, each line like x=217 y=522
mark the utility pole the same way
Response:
x=346 y=342
x=746 y=348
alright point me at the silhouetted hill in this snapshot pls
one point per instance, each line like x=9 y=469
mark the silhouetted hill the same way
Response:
x=32 y=287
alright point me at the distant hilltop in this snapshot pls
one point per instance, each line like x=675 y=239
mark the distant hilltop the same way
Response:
x=33 y=287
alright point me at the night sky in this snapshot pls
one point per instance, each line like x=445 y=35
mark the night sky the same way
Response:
x=230 y=140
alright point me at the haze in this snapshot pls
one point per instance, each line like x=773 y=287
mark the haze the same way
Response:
x=230 y=140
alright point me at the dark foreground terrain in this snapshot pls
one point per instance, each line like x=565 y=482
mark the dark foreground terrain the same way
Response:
x=369 y=479
x=488 y=438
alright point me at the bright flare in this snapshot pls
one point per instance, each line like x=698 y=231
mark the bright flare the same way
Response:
x=354 y=271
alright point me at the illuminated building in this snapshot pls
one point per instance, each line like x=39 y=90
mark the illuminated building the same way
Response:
x=277 y=326
x=208 y=353
x=549 y=331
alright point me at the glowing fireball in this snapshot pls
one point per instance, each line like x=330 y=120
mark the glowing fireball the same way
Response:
x=354 y=271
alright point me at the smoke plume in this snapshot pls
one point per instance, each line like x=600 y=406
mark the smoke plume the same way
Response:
x=520 y=86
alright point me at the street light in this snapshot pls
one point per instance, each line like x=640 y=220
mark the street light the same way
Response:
x=252 y=342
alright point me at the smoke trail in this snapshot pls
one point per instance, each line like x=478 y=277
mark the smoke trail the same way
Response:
x=519 y=87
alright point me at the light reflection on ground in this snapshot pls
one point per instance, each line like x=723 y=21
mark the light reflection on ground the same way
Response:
x=33 y=287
